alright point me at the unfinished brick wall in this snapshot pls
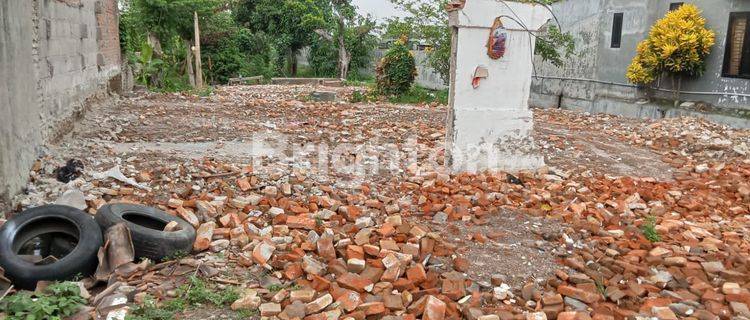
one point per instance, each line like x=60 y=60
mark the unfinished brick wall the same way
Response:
x=77 y=54
x=107 y=32
x=55 y=56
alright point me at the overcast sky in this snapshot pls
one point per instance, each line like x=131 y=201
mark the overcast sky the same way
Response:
x=379 y=9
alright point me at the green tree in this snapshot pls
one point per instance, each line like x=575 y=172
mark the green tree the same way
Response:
x=165 y=18
x=395 y=28
x=220 y=48
x=351 y=34
x=291 y=22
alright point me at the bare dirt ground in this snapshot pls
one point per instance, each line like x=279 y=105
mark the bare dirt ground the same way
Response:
x=202 y=147
x=164 y=132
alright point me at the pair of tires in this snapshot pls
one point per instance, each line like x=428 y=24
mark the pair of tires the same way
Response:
x=73 y=238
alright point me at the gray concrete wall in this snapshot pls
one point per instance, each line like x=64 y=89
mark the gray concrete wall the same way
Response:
x=590 y=21
x=56 y=54
x=18 y=108
x=581 y=18
x=427 y=76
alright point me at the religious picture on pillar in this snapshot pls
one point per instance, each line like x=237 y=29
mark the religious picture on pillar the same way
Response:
x=496 y=45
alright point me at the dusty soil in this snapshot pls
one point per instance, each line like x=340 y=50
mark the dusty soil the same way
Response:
x=576 y=149
x=516 y=247
x=170 y=132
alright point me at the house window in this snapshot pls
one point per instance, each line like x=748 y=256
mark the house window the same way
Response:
x=675 y=5
x=617 y=30
x=737 y=54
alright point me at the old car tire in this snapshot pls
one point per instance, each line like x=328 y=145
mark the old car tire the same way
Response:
x=51 y=222
x=146 y=226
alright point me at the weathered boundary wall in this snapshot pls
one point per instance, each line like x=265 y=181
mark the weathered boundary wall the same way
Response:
x=54 y=55
x=427 y=77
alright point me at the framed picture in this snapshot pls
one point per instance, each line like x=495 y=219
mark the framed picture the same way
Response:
x=497 y=42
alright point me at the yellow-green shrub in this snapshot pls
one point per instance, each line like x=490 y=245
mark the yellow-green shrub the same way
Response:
x=677 y=44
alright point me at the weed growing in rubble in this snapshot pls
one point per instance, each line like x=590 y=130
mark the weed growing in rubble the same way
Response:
x=246 y=314
x=601 y=288
x=177 y=255
x=275 y=287
x=198 y=293
x=195 y=293
x=205 y=92
x=649 y=230
x=58 y=301
x=369 y=95
x=149 y=310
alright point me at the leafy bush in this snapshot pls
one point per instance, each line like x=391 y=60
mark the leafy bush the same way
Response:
x=149 y=66
x=397 y=70
x=59 y=301
x=229 y=50
x=553 y=45
x=323 y=59
x=677 y=44
x=263 y=55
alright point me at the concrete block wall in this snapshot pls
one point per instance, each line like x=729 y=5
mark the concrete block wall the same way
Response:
x=64 y=52
x=18 y=105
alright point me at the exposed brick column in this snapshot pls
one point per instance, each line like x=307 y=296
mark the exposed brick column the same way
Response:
x=107 y=33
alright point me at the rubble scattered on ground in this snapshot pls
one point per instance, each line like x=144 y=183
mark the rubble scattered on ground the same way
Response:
x=592 y=241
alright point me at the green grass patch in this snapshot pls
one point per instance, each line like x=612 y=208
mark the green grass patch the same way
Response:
x=649 y=229
x=195 y=293
x=416 y=95
x=58 y=301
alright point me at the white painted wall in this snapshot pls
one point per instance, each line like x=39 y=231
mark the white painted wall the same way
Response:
x=492 y=124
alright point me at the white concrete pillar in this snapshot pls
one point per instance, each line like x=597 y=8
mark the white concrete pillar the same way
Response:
x=489 y=123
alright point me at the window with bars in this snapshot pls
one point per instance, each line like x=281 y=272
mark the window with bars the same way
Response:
x=737 y=54
x=616 y=30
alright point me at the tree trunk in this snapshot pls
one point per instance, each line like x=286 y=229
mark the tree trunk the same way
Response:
x=292 y=63
x=189 y=63
x=154 y=42
x=677 y=91
x=344 y=56
x=198 y=65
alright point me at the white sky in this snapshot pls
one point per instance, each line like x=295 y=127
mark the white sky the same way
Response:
x=380 y=9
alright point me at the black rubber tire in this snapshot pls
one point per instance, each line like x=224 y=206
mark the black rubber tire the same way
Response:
x=149 y=242
x=82 y=260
